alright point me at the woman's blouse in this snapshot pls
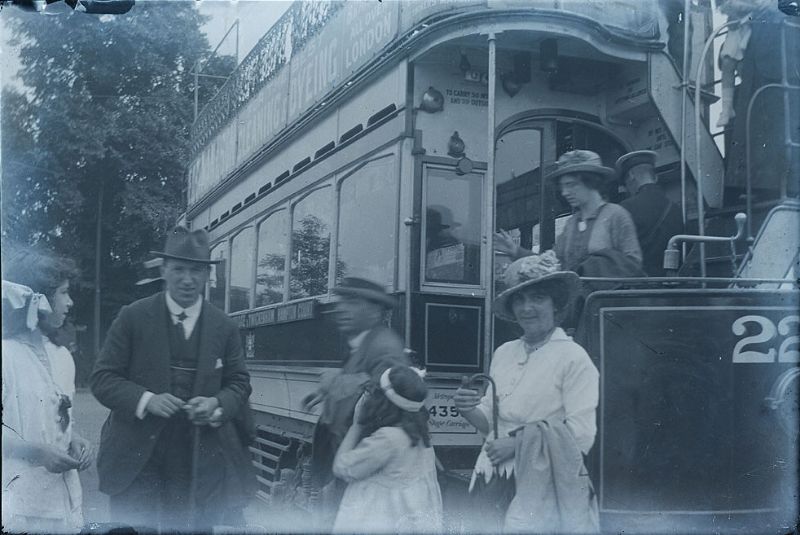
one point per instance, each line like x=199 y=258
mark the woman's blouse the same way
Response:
x=609 y=227
x=36 y=388
x=392 y=486
x=556 y=381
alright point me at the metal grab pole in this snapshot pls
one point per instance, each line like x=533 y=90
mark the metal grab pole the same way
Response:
x=488 y=227
x=701 y=231
x=687 y=6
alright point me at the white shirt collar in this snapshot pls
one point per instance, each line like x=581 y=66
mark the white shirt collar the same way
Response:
x=356 y=341
x=192 y=312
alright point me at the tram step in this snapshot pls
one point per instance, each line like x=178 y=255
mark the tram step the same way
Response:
x=271 y=444
x=264 y=467
x=262 y=453
x=266 y=482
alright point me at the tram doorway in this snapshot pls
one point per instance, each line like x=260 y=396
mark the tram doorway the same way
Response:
x=529 y=208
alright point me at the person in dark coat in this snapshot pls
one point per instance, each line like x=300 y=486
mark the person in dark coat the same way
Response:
x=172 y=372
x=656 y=217
x=374 y=348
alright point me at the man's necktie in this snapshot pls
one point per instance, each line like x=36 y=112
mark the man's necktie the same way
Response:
x=179 y=324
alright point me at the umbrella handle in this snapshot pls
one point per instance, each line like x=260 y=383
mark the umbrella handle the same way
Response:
x=467 y=381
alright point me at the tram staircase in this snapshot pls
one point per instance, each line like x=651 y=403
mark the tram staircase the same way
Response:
x=666 y=90
x=281 y=476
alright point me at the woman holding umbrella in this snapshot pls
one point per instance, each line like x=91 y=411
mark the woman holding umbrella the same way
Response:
x=531 y=478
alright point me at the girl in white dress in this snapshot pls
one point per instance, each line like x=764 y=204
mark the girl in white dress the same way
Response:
x=388 y=462
x=41 y=451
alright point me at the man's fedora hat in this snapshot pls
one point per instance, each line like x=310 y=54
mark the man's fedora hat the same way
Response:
x=371 y=291
x=439 y=217
x=183 y=244
x=531 y=271
x=626 y=162
x=579 y=161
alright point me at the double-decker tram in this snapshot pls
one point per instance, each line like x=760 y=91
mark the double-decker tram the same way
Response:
x=391 y=140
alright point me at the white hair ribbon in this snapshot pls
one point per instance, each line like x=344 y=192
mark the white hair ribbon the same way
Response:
x=17 y=296
x=404 y=403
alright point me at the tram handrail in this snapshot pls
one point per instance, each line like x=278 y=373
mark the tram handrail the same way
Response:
x=698 y=171
x=786 y=86
x=671 y=254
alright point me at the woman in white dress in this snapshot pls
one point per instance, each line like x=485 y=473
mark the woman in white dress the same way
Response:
x=388 y=462
x=541 y=377
x=41 y=452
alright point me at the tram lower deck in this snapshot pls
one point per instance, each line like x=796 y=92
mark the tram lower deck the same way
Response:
x=398 y=162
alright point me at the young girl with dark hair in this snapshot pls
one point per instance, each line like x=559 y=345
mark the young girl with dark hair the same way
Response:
x=41 y=452
x=388 y=462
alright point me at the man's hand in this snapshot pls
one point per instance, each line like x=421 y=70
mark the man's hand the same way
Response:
x=201 y=409
x=54 y=460
x=326 y=378
x=81 y=450
x=501 y=449
x=312 y=400
x=164 y=405
x=216 y=418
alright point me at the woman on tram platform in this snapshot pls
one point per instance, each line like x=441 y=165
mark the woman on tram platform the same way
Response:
x=599 y=239
x=531 y=478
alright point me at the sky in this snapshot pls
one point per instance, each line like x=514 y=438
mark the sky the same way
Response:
x=255 y=18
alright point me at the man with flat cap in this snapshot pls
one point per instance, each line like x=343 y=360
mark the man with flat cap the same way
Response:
x=359 y=313
x=172 y=372
x=656 y=217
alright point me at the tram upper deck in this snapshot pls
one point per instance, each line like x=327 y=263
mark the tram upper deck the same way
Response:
x=320 y=53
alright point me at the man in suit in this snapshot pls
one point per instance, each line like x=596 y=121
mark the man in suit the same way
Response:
x=656 y=217
x=359 y=313
x=172 y=372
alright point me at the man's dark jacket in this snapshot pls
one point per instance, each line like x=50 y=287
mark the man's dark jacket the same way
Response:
x=136 y=358
x=381 y=349
x=657 y=219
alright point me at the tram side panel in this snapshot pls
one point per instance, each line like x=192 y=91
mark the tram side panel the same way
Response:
x=698 y=413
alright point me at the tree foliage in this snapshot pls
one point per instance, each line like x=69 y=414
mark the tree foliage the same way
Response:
x=105 y=108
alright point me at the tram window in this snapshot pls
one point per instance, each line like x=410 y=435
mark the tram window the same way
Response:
x=242 y=251
x=452 y=226
x=216 y=280
x=518 y=182
x=271 y=268
x=367 y=223
x=311 y=244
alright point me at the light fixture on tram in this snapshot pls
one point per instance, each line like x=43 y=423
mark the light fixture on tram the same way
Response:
x=548 y=55
x=432 y=100
x=456 y=146
x=510 y=84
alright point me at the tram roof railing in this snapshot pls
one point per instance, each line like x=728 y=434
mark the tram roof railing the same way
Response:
x=307 y=22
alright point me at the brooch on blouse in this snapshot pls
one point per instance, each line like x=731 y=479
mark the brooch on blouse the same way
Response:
x=63 y=411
